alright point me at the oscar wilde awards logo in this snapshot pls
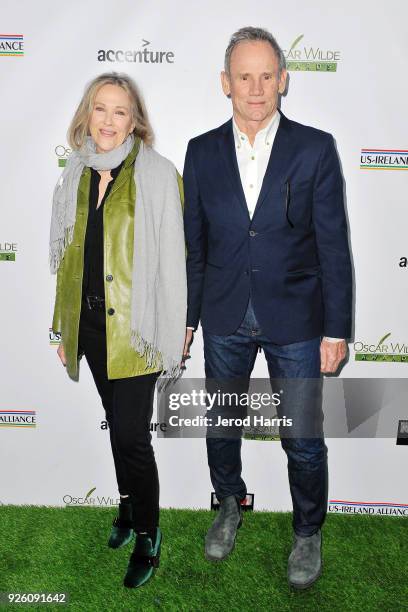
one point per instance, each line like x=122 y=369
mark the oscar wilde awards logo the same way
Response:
x=246 y=504
x=89 y=500
x=8 y=251
x=18 y=418
x=381 y=351
x=301 y=57
x=144 y=55
x=264 y=433
x=402 y=435
x=384 y=159
x=11 y=45
x=62 y=152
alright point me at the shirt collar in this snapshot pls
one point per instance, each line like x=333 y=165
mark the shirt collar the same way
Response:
x=115 y=171
x=264 y=136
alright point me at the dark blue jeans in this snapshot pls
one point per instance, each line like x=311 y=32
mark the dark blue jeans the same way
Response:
x=233 y=357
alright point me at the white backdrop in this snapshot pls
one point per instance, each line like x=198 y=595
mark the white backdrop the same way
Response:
x=362 y=102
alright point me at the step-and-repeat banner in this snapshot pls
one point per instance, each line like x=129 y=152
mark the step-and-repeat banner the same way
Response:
x=346 y=76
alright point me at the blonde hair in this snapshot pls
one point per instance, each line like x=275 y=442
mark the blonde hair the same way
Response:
x=78 y=130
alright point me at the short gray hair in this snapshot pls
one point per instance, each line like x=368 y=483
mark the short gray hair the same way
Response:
x=253 y=34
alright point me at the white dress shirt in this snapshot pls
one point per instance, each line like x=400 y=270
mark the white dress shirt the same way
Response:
x=253 y=159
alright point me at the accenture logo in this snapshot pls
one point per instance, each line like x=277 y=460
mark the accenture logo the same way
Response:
x=144 y=55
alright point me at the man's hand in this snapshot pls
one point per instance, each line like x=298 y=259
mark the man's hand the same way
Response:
x=331 y=355
x=61 y=354
x=187 y=343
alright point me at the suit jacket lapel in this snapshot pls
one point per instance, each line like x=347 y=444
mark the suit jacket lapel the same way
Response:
x=282 y=151
x=227 y=151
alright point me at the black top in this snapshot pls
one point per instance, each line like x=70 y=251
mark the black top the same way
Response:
x=93 y=281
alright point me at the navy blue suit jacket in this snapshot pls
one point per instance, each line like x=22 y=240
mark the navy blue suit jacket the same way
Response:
x=292 y=257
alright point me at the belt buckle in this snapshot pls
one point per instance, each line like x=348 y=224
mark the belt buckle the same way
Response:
x=94 y=302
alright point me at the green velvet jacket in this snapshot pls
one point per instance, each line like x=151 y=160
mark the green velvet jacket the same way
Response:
x=118 y=226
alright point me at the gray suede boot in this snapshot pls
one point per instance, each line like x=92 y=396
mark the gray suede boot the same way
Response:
x=220 y=538
x=305 y=561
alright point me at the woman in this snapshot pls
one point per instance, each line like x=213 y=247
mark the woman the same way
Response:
x=117 y=244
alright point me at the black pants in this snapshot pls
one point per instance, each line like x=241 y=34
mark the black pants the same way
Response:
x=128 y=404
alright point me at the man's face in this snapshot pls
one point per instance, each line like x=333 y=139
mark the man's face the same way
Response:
x=254 y=83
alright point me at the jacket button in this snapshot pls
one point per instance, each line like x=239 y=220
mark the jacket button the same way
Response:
x=252 y=233
x=109 y=277
x=111 y=311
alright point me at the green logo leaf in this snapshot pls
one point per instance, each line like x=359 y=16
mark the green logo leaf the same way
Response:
x=384 y=338
x=89 y=492
x=297 y=41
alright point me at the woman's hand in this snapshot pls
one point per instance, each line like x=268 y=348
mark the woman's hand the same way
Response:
x=61 y=354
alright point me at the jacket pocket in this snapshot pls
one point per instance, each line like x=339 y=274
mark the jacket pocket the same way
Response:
x=311 y=271
x=296 y=185
x=212 y=263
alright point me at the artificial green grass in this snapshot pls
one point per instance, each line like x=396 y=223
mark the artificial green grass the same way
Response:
x=64 y=549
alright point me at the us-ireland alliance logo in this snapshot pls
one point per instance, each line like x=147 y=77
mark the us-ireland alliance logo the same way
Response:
x=11 y=45
x=384 y=159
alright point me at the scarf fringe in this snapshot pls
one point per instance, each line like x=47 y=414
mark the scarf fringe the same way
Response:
x=172 y=369
x=58 y=249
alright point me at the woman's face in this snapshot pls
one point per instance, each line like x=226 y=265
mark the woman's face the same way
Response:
x=111 y=118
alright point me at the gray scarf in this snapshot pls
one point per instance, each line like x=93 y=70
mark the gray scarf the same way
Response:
x=159 y=288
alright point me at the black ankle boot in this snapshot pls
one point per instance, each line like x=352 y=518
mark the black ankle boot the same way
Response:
x=144 y=559
x=122 y=528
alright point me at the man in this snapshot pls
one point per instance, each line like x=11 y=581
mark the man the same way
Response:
x=268 y=266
